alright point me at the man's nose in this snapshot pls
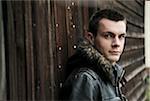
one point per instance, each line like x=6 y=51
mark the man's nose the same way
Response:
x=115 y=42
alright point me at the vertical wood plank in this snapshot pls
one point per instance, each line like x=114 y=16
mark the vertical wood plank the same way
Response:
x=85 y=17
x=29 y=51
x=60 y=43
x=11 y=59
x=50 y=94
x=2 y=58
x=20 y=48
x=40 y=46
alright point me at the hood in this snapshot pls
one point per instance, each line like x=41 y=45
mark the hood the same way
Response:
x=87 y=55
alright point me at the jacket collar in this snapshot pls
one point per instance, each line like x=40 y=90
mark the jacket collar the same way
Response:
x=92 y=55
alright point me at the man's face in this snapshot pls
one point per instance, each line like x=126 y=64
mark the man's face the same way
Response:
x=110 y=39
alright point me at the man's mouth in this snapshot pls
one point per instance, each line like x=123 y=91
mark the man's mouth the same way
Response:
x=114 y=52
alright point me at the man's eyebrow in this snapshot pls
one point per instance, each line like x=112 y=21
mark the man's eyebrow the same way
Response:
x=123 y=34
x=108 y=32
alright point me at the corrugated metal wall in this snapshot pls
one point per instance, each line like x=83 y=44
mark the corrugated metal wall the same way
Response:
x=41 y=35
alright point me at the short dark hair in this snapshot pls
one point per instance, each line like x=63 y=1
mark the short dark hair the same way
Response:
x=106 y=13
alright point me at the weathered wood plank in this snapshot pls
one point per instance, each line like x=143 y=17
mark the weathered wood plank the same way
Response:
x=133 y=6
x=129 y=67
x=50 y=78
x=132 y=55
x=131 y=17
x=60 y=28
x=134 y=42
x=41 y=50
x=132 y=85
x=141 y=3
x=11 y=59
x=71 y=26
x=134 y=28
x=3 y=91
x=137 y=93
x=85 y=17
x=20 y=48
x=29 y=51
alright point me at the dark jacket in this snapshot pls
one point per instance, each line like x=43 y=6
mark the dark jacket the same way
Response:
x=90 y=77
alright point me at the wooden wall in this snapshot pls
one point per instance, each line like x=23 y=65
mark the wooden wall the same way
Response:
x=41 y=35
x=2 y=59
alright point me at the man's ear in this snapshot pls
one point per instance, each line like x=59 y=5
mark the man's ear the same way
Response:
x=89 y=36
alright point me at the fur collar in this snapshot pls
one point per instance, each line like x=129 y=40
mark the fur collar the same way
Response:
x=91 y=54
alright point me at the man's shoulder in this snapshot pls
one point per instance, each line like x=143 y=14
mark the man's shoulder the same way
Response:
x=86 y=72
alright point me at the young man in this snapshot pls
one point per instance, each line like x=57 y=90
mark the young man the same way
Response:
x=93 y=74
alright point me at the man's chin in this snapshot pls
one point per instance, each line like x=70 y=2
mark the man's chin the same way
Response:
x=113 y=59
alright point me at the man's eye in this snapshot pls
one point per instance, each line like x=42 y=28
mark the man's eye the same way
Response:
x=108 y=36
x=122 y=36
